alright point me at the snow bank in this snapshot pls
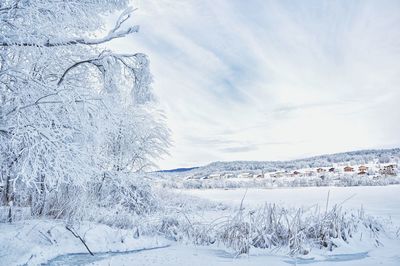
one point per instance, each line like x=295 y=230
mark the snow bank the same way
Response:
x=33 y=242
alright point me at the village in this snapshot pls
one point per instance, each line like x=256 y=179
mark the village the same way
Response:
x=373 y=170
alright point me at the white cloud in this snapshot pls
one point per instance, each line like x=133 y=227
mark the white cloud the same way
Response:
x=258 y=80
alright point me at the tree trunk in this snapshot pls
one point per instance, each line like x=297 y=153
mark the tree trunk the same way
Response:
x=42 y=195
x=7 y=197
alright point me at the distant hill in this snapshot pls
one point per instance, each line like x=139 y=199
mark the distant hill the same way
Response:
x=353 y=157
x=177 y=170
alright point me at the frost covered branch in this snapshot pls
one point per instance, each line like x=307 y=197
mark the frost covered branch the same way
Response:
x=98 y=62
x=84 y=41
x=39 y=40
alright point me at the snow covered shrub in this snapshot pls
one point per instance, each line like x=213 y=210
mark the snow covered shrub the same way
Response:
x=201 y=235
x=172 y=229
x=236 y=234
x=179 y=227
x=117 y=216
x=128 y=191
x=67 y=201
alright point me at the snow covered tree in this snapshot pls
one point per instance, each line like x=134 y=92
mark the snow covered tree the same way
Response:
x=66 y=102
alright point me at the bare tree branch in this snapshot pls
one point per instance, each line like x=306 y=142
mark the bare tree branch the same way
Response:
x=88 y=61
x=80 y=238
x=8 y=8
x=4 y=132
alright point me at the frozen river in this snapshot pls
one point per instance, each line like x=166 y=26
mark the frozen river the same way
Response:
x=381 y=201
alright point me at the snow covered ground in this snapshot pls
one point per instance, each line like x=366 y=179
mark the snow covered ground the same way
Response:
x=381 y=201
x=47 y=241
x=211 y=256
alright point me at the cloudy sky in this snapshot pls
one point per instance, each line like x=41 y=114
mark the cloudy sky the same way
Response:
x=272 y=80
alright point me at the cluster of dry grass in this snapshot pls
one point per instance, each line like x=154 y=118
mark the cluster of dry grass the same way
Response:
x=273 y=227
